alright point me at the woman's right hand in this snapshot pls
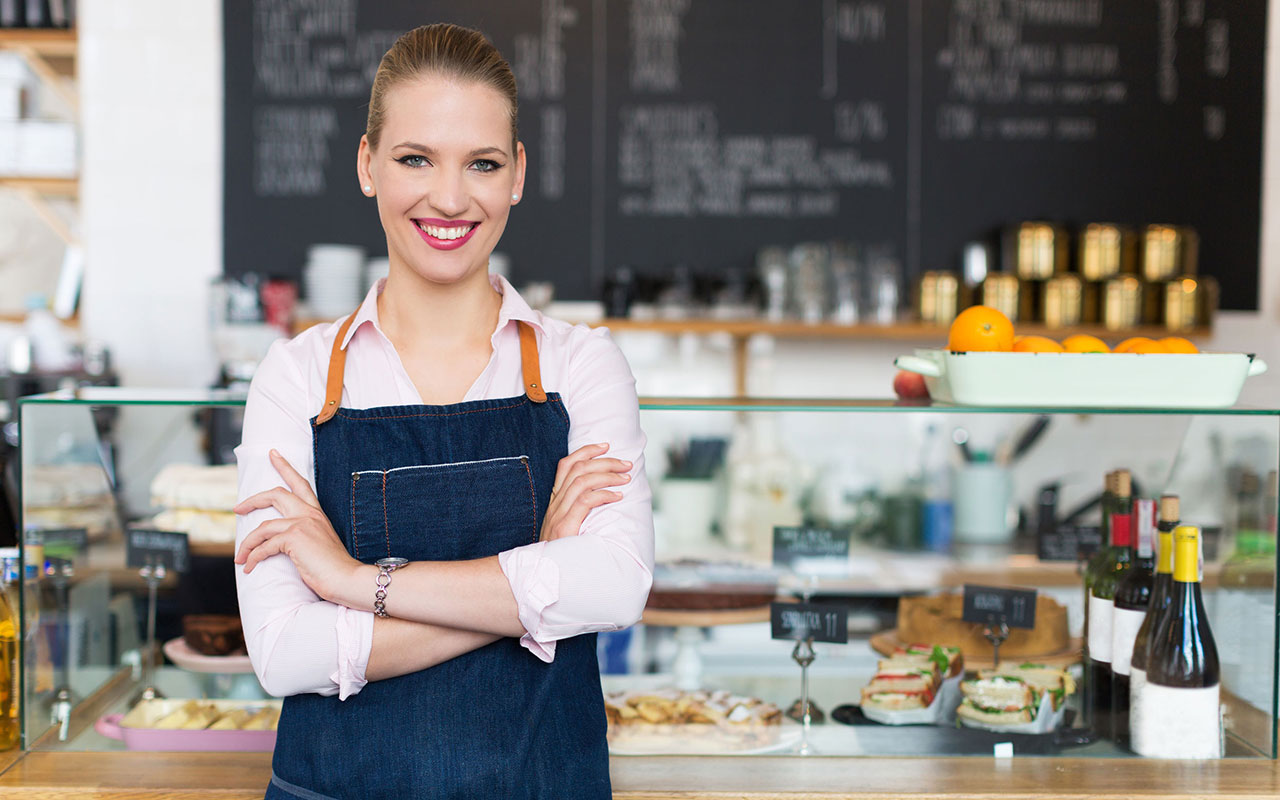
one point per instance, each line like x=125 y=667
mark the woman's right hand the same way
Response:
x=582 y=481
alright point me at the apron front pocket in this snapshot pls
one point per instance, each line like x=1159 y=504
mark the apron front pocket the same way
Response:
x=443 y=512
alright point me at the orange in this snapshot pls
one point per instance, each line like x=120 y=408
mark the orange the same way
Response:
x=980 y=328
x=1036 y=344
x=1177 y=344
x=1139 y=344
x=1084 y=343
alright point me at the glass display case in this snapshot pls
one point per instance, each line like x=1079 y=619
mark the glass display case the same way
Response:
x=920 y=499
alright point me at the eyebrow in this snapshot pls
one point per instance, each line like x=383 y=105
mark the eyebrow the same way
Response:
x=480 y=151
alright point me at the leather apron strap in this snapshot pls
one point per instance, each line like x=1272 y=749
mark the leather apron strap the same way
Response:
x=337 y=367
x=529 y=364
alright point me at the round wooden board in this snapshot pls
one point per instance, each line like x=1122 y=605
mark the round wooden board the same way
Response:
x=884 y=643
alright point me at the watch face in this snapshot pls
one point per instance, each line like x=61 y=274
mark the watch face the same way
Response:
x=391 y=562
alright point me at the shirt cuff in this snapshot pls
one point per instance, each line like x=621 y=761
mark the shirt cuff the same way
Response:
x=355 y=640
x=535 y=583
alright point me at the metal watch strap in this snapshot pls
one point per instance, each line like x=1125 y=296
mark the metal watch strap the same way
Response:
x=385 y=566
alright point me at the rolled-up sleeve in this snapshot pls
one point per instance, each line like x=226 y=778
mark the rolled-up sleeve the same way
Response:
x=297 y=642
x=598 y=580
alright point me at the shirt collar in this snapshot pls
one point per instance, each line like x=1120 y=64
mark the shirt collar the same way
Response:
x=513 y=308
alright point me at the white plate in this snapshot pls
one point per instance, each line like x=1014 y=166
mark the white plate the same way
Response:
x=180 y=653
x=1084 y=380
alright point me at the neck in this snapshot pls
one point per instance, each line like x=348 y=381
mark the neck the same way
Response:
x=414 y=312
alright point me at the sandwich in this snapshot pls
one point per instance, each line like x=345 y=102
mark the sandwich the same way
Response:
x=898 y=701
x=949 y=660
x=908 y=663
x=998 y=700
x=908 y=679
x=1056 y=682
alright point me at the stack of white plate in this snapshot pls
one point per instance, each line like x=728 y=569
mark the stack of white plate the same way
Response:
x=375 y=269
x=333 y=279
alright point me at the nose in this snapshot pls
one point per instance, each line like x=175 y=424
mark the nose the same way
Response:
x=448 y=193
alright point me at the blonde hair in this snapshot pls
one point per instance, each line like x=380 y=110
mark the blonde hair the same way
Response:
x=450 y=51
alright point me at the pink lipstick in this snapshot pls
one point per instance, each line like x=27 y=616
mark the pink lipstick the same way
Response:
x=445 y=234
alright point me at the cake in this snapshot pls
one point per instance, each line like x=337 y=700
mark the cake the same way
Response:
x=694 y=585
x=937 y=619
x=213 y=634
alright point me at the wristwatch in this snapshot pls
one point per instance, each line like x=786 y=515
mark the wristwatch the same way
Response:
x=385 y=566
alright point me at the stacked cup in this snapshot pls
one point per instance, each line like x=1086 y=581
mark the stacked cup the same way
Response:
x=333 y=279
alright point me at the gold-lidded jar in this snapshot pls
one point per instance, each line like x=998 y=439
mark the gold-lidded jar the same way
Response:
x=1063 y=301
x=1105 y=251
x=1169 y=251
x=1000 y=291
x=938 y=297
x=1036 y=250
x=1183 y=303
x=1121 y=305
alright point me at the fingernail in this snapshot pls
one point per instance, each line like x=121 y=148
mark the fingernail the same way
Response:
x=626 y=464
x=275 y=452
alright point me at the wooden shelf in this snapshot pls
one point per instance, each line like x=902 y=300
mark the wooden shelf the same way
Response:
x=48 y=187
x=790 y=329
x=901 y=331
x=50 y=43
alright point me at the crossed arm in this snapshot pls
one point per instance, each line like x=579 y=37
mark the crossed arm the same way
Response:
x=439 y=609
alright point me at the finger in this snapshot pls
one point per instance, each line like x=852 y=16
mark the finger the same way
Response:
x=597 y=465
x=577 y=513
x=582 y=453
x=280 y=498
x=576 y=487
x=293 y=479
x=260 y=534
x=262 y=552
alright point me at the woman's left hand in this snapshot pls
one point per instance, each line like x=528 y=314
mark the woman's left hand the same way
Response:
x=302 y=532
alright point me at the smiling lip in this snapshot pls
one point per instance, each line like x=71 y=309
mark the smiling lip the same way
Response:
x=445 y=244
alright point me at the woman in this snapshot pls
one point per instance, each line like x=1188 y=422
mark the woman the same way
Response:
x=418 y=430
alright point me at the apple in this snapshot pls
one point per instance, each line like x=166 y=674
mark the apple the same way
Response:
x=909 y=385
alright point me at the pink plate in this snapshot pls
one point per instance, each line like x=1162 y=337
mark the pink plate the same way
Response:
x=180 y=653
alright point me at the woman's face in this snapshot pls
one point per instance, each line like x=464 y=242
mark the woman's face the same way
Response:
x=444 y=174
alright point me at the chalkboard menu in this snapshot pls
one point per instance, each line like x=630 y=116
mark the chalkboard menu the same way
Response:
x=695 y=132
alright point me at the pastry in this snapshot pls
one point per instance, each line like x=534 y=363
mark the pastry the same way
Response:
x=675 y=721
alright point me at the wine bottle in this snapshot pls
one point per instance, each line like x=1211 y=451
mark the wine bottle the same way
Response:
x=10 y=675
x=1161 y=594
x=1133 y=594
x=1091 y=571
x=1101 y=620
x=1180 y=715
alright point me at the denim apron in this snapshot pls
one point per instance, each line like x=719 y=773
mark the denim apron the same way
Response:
x=445 y=483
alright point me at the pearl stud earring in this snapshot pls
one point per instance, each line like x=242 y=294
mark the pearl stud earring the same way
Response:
x=368 y=190
x=515 y=197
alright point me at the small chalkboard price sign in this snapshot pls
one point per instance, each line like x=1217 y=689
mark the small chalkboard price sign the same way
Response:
x=990 y=605
x=792 y=544
x=1069 y=543
x=153 y=548
x=818 y=621
x=64 y=543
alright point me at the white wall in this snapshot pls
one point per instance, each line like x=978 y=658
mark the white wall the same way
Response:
x=151 y=89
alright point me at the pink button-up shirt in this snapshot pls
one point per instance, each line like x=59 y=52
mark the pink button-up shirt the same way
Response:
x=596 y=581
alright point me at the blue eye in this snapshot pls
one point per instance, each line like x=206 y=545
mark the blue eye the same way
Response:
x=413 y=161
x=486 y=165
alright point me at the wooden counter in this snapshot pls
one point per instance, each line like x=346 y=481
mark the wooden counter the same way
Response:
x=232 y=776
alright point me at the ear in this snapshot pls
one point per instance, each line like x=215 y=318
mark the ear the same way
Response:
x=518 y=186
x=364 y=165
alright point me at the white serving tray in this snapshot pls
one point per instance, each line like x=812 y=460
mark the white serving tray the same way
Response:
x=1087 y=380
